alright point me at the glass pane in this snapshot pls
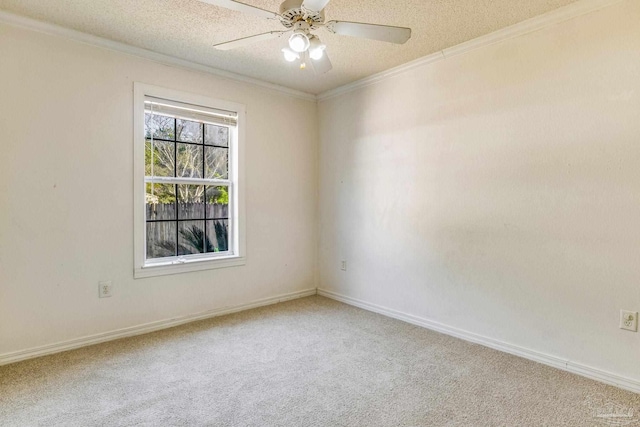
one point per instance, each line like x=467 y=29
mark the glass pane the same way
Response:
x=161 y=239
x=218 y=235
x=216 y=135
x=159 y=127
x=217 y=202
x=190 y=202
x=191 y=239
x=216 y=162
x=188 y=131
x=189 y=161
x=160 y=200
x=159 y=158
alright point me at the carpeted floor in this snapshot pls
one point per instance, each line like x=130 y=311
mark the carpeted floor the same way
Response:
x=308 y=362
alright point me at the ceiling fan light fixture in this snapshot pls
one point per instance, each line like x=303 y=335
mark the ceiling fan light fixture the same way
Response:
x=316 y=48
x=316 y=54
x=302 y=17
x=299 y=41
x=290 y=55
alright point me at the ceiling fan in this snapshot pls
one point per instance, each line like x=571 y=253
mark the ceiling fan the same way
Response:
x=301 y=17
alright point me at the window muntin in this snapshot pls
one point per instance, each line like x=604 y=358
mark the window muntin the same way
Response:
x=191 y=183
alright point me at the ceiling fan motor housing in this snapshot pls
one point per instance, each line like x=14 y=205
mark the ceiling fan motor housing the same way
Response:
x=291 y=12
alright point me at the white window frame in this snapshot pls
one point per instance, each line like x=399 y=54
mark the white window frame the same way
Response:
x=148 y=268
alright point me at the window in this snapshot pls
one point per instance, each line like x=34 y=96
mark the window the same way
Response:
x=189 y=211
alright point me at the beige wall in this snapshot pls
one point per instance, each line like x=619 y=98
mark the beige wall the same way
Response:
x=66 y=194
x=497 y=191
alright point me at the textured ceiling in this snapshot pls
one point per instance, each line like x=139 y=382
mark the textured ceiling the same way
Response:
x=187 y=29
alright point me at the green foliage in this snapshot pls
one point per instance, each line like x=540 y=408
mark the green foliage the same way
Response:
x=219 y=195
x=166 y=248
x=160 y=193
x=166 y=197
x=221 y=236
x=197 y=241
x=167 y=156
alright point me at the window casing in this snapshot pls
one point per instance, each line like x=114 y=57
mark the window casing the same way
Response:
x=189 y=210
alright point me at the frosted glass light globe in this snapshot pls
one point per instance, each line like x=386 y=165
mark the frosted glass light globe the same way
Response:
x=290 y=56
x=316 y=48
x=298 y=42
x=316 y=53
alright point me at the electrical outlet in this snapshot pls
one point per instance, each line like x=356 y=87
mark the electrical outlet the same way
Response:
x=343 y=265
x=104 y=289
x=629 y=320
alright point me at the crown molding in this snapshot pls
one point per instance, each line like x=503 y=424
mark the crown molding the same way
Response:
x=565 y=13
x=573 y=10
x=78 y=36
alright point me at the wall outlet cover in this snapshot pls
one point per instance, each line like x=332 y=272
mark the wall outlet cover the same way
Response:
x=104 y=289
x=629 y=320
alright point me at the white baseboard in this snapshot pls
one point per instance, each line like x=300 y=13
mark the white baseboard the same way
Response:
x=31 y=353
x=546 y=359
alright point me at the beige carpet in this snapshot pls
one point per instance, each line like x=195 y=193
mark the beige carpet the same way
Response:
x=309 y=362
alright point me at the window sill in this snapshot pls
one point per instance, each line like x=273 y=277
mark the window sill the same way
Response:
x=187 y=266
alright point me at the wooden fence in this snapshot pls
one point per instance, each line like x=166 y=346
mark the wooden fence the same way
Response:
x=161 y=236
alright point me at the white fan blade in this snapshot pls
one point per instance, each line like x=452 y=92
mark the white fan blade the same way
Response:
x=321 y=65
x=315 y=5
x=241 y=7
x=383 y=33
x=245 y=41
